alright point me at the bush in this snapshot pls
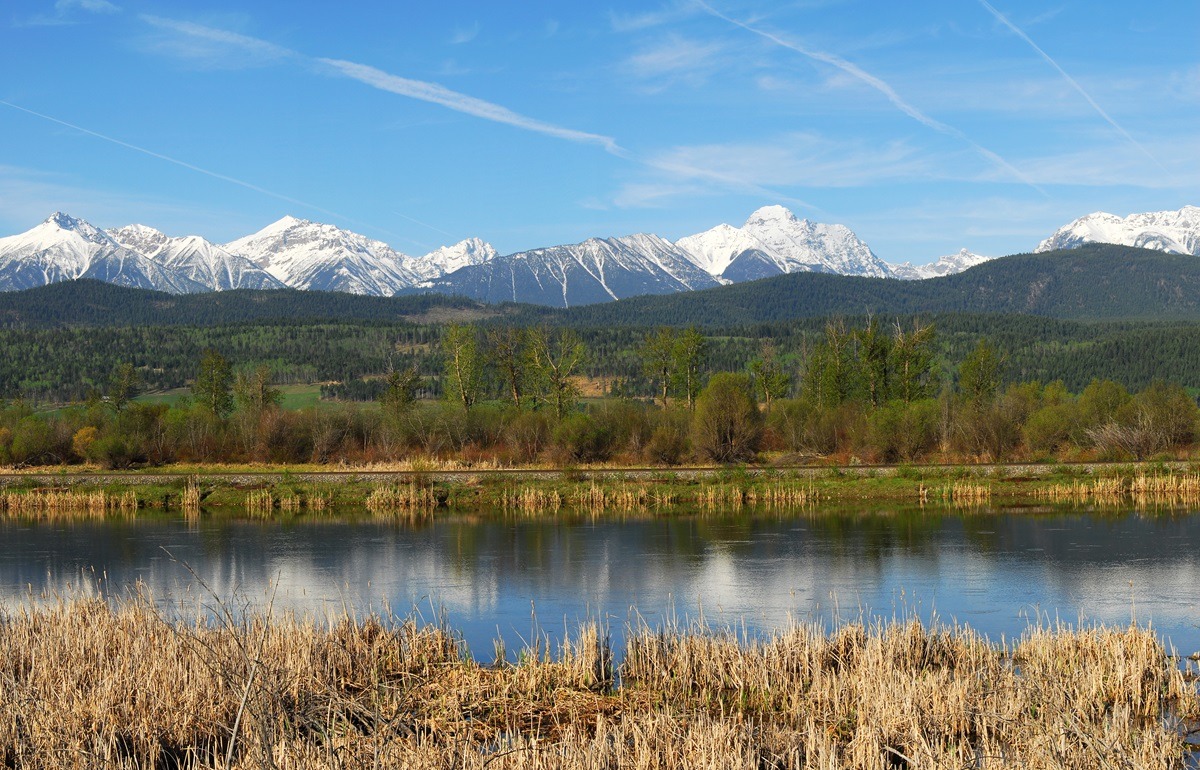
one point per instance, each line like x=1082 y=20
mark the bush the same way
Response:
x=727 y=426
x=903 y=432
x=528 y=435
x=669 y=443
x=583 y=438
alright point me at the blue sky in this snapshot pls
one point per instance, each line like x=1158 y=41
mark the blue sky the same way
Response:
x=923 y=126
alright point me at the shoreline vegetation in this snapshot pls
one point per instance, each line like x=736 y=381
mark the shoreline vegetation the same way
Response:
x=128 y=684
x=421 y=490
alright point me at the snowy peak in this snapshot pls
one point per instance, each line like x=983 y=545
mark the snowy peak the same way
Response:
x=771 y=216
x=310 y=255
x=195 y=258
x=1176 y=232
x=714 y=250
x=947 y=265
x=447 y=259
x=65 y=248
x=774 y=241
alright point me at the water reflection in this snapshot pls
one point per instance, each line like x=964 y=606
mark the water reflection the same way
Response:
x=993 y=571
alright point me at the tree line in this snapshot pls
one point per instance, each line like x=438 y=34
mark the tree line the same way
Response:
x=871 y=391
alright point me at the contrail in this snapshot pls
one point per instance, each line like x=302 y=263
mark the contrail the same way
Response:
x=1072 y=81
x=879 y=85
x=437 y=94
x=425 y=224
x=191 y=167
x=385 y=81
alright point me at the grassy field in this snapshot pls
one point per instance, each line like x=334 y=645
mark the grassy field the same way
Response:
x=84 y=683
x=292 y=396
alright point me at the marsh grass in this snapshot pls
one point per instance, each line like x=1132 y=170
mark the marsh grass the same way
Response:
x=408 y=499
x=66 y=503
x=84 y=684
x=1145 y=490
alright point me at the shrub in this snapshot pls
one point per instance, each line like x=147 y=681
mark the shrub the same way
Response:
x=727 y=426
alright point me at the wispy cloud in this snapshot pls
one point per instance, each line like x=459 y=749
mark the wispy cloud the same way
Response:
x=91 y=6
x=861 y=75
x=212 y=47
x=385 y=81
x=799 y=160
x=64 y=13
x=635 y=22
x=1072 y=81
x=470 y=105
x=465 y=34
x=674 y=58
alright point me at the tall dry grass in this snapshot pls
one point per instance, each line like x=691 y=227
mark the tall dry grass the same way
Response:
x=1143 y=490
x=85 y=684
x=64 y=503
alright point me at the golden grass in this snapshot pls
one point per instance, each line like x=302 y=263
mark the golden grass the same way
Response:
x=401 y=499
x=85 y=684
x=66 y=503
x=260 y=502
x=966 y=493
x=1144 y=490
x=191 y=497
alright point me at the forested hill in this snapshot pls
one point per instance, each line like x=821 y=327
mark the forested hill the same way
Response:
x=93 y=303
x=1094 y=282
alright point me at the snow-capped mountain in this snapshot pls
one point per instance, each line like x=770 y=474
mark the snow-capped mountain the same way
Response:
x=64 y=248
x=597 y=270
x=310 y=255
x=947 y=265
x=1176 y=232
x=300 y=254
x=195 y=258
x=447 y=259
x=773 y=242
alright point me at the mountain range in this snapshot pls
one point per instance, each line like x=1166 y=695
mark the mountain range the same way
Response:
x=299 y=254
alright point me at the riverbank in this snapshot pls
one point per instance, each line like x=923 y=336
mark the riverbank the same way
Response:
x=265 y=491
x=85 y=683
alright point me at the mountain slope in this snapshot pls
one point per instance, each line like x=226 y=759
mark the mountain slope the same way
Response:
x=1175 y=232
x=1095 y=281
x=64 y=248
x=195 y=258
x=597 y=270
x=313 y=256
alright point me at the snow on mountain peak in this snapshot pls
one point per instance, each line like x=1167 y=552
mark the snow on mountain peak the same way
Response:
x=947 y=265
x=1176 y=232
x=767 y=214
x=312 y=255
x=773 y=241
x=447 y=259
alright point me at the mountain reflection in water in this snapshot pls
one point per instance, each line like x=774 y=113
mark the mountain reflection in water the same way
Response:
x=491 y=576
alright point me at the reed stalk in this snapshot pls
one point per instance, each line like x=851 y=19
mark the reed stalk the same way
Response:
x=85 y=684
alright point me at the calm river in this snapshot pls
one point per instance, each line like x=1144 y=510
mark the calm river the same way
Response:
x=492 y=577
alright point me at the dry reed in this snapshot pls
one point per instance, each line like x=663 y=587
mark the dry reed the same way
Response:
x=402 y=499
x=191 y=498
x=1143 y=490
x=260 y=502
x=66 y=503
x=965 y=493
x=85 y=684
